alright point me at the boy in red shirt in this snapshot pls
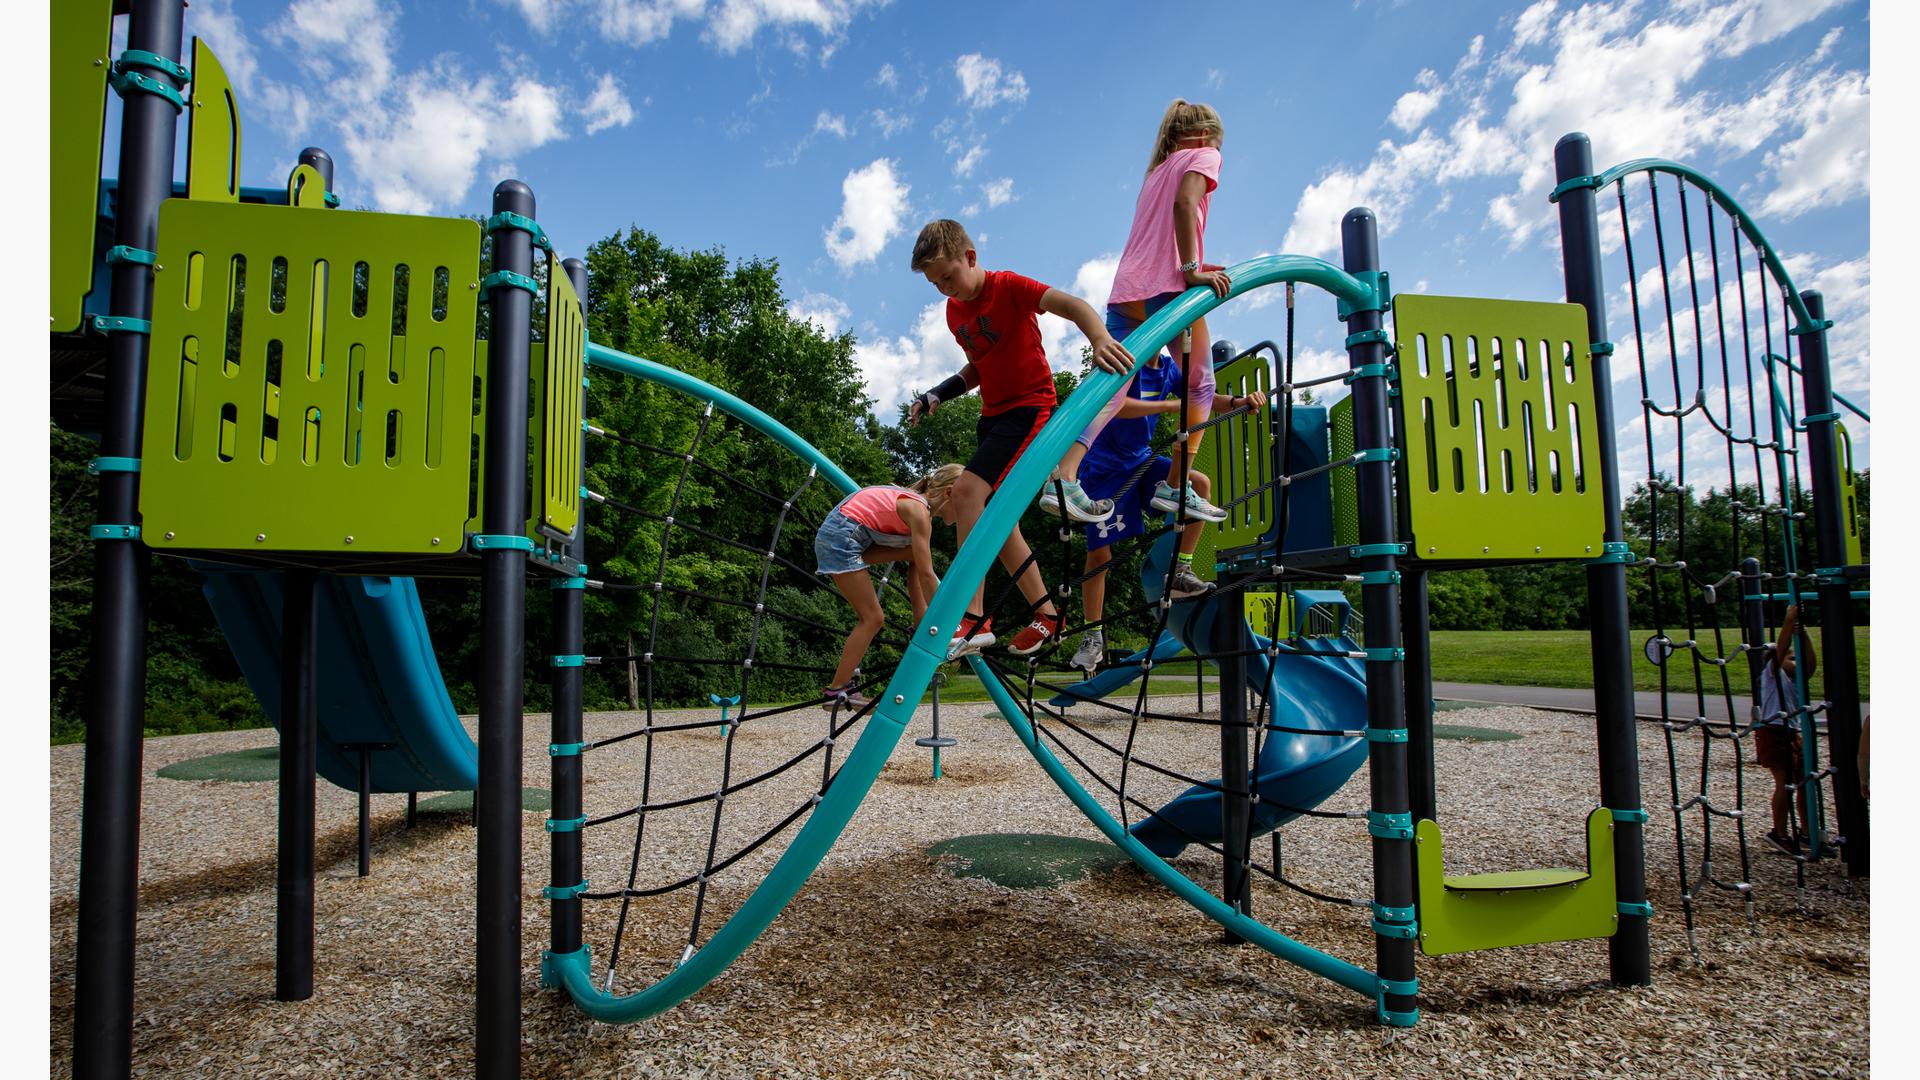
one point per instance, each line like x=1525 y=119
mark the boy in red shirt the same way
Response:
x=994 y=316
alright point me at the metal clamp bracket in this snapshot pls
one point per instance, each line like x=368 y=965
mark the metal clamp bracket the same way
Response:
x=1815 y=418
x=1394 y=914
x=1377 y=453
x=1616 y=551
x=568 y=660
x=1830 y=575
x=1393 y=1018
x=507 y=219
x=1396 y=930
x=1635 y=817
x=565 y=749
x=564 y=892
x=1601 y=348
x=1372 y=371
x=1361 y=551
x=1382 y=294
x=124 y=253
x=1387 y=734
x=1380 y=577
x=108 y=324
x=114 y=532
x=1362 y=337
x=1388 y=826
x=566 y=824
x=1813 y=326
x=492 y=542
x=568 y=583
x=1385 y=655
x=1629 y=907
x=113 y=464
x=143 y=58
x=1575 y=184
x=125 y=80
x=509 y=278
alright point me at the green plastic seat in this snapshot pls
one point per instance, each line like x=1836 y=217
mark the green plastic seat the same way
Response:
x=1472 y=912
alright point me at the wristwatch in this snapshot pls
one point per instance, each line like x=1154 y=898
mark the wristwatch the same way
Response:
x=1189 y=267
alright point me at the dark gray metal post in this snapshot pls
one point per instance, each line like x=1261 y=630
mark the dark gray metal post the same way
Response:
x=1836 y=606
x=1236 y=809
x=110 y=806
x=1390 y=820
x=366 y=810
x=1416 y=628
x=299 y=734
x=569 y=684
x=503 y=608
x=1753 y=623
x=1628 y=952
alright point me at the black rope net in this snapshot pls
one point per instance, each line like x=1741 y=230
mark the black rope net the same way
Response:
x=691 y=799
x=1720 y=521
x=1143 y=745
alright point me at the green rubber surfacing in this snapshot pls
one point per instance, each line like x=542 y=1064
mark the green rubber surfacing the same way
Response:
x=1026 y=860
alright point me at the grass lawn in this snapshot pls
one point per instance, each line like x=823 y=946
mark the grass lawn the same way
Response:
x=1560 y=658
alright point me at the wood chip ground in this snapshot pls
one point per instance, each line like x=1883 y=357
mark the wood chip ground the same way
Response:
x=885 y=965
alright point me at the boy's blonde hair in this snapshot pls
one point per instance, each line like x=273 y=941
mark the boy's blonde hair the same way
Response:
x=1184 y=120
x=937 y=485
x=943 y=239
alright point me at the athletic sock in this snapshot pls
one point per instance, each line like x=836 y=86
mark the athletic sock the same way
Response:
x=1185 y=557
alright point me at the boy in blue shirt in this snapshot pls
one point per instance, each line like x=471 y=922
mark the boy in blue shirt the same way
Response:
x=1121 y=466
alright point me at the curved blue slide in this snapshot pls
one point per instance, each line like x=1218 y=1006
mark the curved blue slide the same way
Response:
x=379 y=682
x=1295 y=770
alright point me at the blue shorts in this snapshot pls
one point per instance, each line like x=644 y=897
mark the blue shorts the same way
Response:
x=841 y=542
x=1130 y=512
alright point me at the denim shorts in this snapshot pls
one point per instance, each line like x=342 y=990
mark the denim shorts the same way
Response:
x=841 y=541
x=1201 y=383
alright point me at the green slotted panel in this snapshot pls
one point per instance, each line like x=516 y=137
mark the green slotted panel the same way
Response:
x=310 y=380
x=213 y=131
x=1238 y=456
x=82 y=35
x=1500 y=452
x=564 y=399
x=1849 y=496
x=1524 y=907
x=1346 y=493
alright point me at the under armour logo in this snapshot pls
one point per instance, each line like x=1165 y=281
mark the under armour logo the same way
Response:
x=966 y=338
x=1112 y=525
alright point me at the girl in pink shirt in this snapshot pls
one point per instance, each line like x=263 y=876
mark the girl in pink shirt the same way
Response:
x=1164 y=257
x=880 y=524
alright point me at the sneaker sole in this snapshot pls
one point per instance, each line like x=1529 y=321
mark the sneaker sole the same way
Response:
x=1177 y=595
x=1051 y=505
x=975 y=644
x=1174 y=508
x=1034 y=648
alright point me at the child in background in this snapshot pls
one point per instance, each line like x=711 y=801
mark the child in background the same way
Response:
x=1776 y=733
x=880 y=524
x=993 y=314
x=1165 y=255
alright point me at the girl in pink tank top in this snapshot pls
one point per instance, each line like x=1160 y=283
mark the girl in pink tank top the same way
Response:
x=880 y=524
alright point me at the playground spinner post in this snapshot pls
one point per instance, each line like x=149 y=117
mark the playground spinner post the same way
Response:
x=569 y=639
x=1388 y=821
x=503 y=603
x=110 y=814
x=1836 y=606
x=1628 y=951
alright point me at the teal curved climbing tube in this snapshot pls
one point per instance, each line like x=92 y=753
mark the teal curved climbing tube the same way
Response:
x=927 y=651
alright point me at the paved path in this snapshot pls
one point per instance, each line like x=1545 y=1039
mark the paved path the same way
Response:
x=1646 y=702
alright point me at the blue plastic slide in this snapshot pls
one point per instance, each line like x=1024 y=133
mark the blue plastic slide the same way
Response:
x=1119 y=675
x=378 y=680
x=1295 y=771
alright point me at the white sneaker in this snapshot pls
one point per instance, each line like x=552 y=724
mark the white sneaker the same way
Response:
x=1092 y=652
x=1079 y=507
x=1167 y=500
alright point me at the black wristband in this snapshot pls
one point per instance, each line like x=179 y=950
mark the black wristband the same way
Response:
x=954 y=387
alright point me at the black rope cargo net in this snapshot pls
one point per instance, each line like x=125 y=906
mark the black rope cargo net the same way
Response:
x=733 y=639
x=1721 y=523
x=1136 y=749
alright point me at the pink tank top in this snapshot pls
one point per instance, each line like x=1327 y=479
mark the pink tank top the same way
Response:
x=878 y=508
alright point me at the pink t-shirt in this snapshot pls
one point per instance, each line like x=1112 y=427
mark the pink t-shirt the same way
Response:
x=878 y=508
x=1150 y=265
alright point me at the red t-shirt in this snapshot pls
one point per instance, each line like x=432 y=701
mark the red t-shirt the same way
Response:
x=999 y=330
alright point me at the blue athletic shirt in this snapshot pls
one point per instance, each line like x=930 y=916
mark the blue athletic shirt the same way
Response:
x=1126 y=442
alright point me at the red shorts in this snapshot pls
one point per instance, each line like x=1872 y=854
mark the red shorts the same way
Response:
x=1777 y=748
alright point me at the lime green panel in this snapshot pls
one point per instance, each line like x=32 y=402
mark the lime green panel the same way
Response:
x=1491 y=911
x=1262 y=616
x=310 y=380
x=538 y=373
x=1849 y=495
x=1346 y=495
x=1238 y=457
x=213 y=131
x=1497 y=397
x=82 y=34
x=565 y=398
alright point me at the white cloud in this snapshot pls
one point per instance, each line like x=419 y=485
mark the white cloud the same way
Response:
x=737 y=21
x=998 y=192
x=1215 y=80
x=887 y=77
x=874 y=202
x=1414 y=106
x=984 y=83
x=829 y=122
x=226 y=35
x=541 y=15
x=345 y=43
x=1828 y=163
x=969 y=160
x=607 y=107
x=891 y=123
x=897 y=368
x=642 y=22
x=826 y=312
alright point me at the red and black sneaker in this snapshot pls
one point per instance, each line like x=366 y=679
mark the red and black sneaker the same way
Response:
x=974 y=634
x=1035 y=635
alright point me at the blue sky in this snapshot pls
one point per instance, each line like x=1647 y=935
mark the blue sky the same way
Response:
x=823 y=133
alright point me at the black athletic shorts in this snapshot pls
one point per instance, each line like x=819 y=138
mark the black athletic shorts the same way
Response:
x=1000 y=439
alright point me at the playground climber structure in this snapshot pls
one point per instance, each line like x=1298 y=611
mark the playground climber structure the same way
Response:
x=315 y=405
